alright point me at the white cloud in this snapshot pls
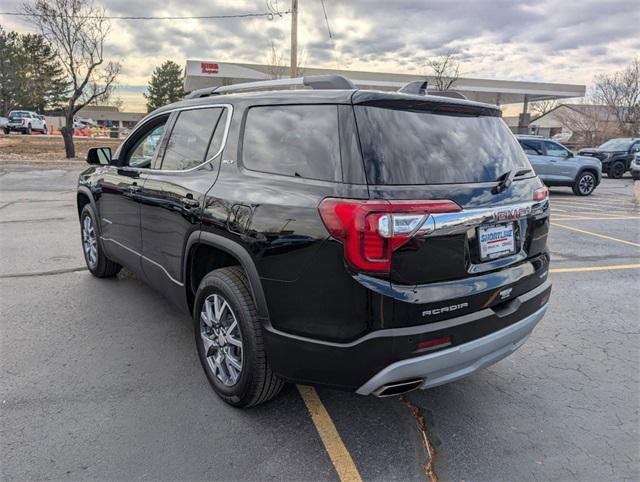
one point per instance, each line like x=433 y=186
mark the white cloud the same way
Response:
x=568 y=41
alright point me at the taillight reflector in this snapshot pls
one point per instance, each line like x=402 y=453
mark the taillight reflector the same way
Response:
x=434 y=343
x=371 y=230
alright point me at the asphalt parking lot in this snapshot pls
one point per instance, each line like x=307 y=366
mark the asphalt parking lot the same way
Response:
x=100 y=378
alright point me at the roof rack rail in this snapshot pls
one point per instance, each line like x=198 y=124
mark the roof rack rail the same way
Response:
x=313 y=81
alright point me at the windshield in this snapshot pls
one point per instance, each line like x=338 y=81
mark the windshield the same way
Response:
x=419 y=147
x=616 y=145
x=18 y=115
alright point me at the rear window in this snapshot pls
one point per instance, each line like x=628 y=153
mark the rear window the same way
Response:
x=293 y=140
x=18 y=115
x=402 y=146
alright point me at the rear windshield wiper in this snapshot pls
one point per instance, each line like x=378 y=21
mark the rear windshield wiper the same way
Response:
x=507 y=178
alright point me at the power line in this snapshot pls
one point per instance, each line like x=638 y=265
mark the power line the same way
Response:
x=326 y=19
x=333 y=42
x=270 y=15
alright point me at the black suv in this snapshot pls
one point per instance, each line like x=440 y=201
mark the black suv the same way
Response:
x=371 y=241
x=615 y=154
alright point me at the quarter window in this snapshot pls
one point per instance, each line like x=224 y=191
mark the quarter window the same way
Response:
x=293 y=140
x=190 y=138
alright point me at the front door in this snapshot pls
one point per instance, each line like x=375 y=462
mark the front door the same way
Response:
x=562 y=167
x=119 y=198
x=173 y=193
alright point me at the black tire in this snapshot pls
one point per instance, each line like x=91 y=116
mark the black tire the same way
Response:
x=45 y=130
x=7 y=131
x=584 y=184
x=103 y=267
x=256 y=383
x=29 y=131
x=616 y=170
x=636 y=176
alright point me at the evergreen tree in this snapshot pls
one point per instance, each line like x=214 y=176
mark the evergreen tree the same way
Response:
x=30 y=75
x=165 y=86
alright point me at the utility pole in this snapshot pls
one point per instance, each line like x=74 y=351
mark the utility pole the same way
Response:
x=294 y=38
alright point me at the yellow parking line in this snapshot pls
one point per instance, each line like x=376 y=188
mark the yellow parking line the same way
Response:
x=598 y=235
x=595 y=268
x=591 y=218
x=338 y=453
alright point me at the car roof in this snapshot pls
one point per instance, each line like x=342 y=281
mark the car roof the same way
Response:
x=335 y=96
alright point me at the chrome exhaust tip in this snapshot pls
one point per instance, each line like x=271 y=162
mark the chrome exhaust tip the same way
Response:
x=392 y=389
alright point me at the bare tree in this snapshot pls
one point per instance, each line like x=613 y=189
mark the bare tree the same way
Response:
x=542 y=107
x=620 y=92
x=446 y=71
x=77 y=31
x=277 y=65
x=589 y=125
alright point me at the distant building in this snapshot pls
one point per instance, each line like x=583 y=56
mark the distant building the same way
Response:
x=582 y=124
x=104 y=115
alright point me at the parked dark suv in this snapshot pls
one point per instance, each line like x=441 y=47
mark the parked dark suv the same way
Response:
x=615 y=154
x=370 y=241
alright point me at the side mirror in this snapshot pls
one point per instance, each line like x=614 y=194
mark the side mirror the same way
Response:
x=99 y=155
x=571 y=154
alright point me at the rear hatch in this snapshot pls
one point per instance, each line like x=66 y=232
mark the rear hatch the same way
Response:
x=455 y=209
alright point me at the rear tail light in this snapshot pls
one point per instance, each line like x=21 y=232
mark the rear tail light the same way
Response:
x=541 y=194
x=24 y=121
x=371 y=230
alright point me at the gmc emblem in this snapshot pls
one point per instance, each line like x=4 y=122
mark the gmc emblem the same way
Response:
x=511 y=214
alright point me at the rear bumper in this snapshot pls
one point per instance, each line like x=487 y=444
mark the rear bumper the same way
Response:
x=454 y=363
x=379 y=355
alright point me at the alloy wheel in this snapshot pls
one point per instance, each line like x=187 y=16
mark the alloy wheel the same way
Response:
x=222 y=339
x=89 y=241
x=586 y=184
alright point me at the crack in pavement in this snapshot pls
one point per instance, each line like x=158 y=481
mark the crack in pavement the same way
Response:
x=42 y=273
x=34 y=220
x=416 y=413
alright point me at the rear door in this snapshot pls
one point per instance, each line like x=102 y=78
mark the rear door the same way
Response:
x=174 y=189
x=535 y=153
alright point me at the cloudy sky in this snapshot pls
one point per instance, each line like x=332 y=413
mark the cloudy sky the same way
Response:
x=567 y=41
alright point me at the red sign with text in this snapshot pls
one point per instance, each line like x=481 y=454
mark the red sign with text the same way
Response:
x=208 y=68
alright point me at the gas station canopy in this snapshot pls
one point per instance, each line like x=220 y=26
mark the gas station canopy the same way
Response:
x=205 y=73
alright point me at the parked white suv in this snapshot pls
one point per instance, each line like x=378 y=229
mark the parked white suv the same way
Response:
x=26 y=122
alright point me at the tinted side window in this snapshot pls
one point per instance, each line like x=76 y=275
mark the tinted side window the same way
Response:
x=293 y=140
x=145 y=149
x=190 y=137
x=533 y=148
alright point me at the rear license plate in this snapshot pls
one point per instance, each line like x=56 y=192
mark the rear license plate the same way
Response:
x=496 y=241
